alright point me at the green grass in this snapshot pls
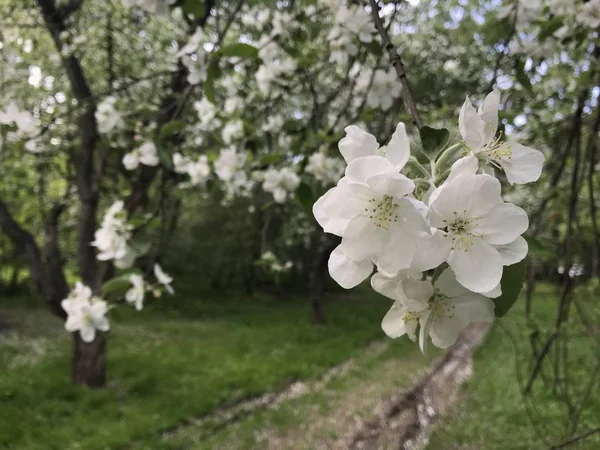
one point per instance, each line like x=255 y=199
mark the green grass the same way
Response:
x=493 y=414
x=167 y=364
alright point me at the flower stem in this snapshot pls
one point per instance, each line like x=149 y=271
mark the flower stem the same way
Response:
x=412 y=160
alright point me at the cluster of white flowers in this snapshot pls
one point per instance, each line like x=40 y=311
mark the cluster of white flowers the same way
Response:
x=207 y=114
x=230 y=169
x=461 y=229
x=107 y=116
x=145 y=154
x=281 y=183
x=276 y=63
x=272 y=263
x=198 y=170
x=136 y=293
x=382 y=87
x=325 y=169
x=112 y=239
x=26 y=127
x=352 y=25
x=194 y=57
x=85 y=313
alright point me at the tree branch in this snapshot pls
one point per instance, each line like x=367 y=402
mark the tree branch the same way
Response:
x=396 y=61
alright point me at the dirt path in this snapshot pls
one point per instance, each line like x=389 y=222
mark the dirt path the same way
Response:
x=380 y=401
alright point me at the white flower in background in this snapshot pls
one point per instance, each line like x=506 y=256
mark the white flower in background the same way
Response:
x=562 y=7
x=478 y=129
x=273 y=124
x=195 y=42
x=282 y=22
x=196 y=65
x=325 y=169
x=198 y=171
x=145 y=154
x=440 y=311
x=232 y=104
x=589 y=15
x=163 y=279
x=85 y=313
x=256 y=16
x=482 y=233
x=228 y=163
x=207 y=113
x=271 y=261
x=107 y=116
x=26 y=127
x=276 y=63
x=232 y=131
x=135 y=294
x=378 y=223
x=280 y=183
x=111 y=239
x=384 y=88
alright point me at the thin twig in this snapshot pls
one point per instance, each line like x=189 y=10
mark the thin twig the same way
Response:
x=396 y=61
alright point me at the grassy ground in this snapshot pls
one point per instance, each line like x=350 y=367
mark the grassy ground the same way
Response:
x=166 y=365
x=494 y=416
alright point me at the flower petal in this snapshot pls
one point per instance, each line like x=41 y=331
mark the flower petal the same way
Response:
x=391 y=183
x=524 y=165
x=362 y=239
x=448 y=285
x=503 y=224
x=87 y=333
x=387 y=286
x=398 y=149
x=432 y=251
x=361 y=169
x=513 y=252
x=393 y=323
x=479 y=268
x=464 y=166
x=357 y=143
x=345 y=272
x=471 y=126
x=488 y=110
x=418 y=290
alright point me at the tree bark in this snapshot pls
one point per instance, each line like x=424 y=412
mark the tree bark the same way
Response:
x=88 y=366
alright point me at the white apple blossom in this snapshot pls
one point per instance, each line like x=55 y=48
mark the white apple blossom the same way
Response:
x=163 y=278
x=112 y=238
x=27 y=129
x=135 y=294
x=198 y=171
x=107 y=116
x=280 y=183
x=378 y=223
x=482 y=233
x=589 y=14
x=382 y=89
x=325 y=169
x=232 y=131
x=440 y=311
x=145 y=154
x=521 y=164
x=207 y=113
x=85 y=313
x=358 y=143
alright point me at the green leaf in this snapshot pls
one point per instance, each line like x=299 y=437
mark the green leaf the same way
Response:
x=171 y=128
x=212 y=74
x=521 y=75
x=116 y=287
x=164 y=157
x=305 y=196
x=194 y=7
x=511 y=284
x=271 y=159
x=241 y=50
x=433 y=140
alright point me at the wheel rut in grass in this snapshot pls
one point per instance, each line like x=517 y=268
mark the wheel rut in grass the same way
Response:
x=403 y=421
